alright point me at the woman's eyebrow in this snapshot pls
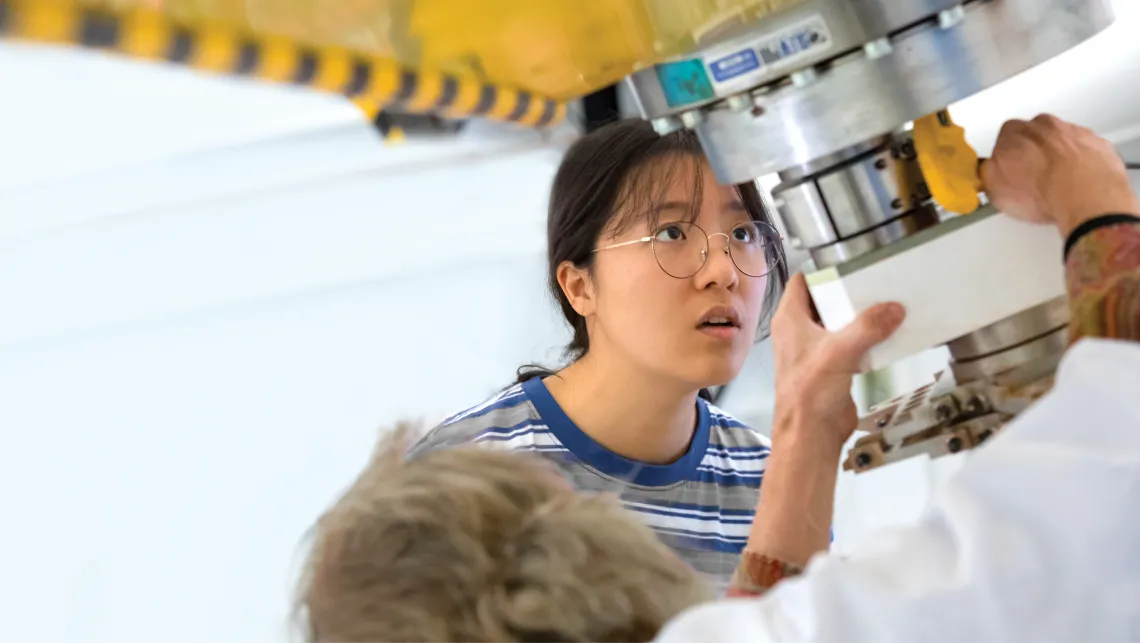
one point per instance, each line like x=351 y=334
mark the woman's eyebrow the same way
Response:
x=669 y=206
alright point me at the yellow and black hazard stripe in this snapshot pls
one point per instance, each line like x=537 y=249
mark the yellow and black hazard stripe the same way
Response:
x=373 y=83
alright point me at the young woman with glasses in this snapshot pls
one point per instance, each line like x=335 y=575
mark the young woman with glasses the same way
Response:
x=666 y=279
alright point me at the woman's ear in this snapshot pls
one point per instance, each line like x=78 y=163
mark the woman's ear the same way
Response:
x=578 y=288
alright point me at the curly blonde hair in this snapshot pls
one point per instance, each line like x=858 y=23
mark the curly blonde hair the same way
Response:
x=469 y=544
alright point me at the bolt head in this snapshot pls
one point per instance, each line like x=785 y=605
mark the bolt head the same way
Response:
x=804 y=77
x=739 y=102
x=954 y=444
x=665 y=125
x=975 y=405
x=877 y=49
x=950 y=18
x=692 y=118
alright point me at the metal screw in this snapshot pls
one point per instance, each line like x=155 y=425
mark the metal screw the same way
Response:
x=739 y=102
x=975 y=405
x=863 y=460
x=692 y=118
x=897 y=204
x=907 y=151
x=954 y=444
x=757 y=111
x=665 y=125
x=877 y=49
x=881 y=164
x=883 y=421
x=951 y=17
x=943 y=412
x=804 y=77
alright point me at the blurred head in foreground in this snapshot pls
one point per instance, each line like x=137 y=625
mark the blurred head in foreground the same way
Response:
x=469 y=544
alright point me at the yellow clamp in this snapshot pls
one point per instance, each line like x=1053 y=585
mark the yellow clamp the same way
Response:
x=949 y=164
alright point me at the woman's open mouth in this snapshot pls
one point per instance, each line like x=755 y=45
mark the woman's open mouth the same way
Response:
x=720 y=322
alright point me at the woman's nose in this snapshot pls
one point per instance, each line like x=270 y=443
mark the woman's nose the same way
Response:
x=718 y=268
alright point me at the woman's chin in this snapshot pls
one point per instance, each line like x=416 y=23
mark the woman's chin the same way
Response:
x=717 y=371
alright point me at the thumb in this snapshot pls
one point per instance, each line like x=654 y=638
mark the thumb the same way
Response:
x=795 y=307
x=871 y=328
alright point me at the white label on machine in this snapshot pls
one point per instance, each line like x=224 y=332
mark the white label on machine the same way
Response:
x=772 y=51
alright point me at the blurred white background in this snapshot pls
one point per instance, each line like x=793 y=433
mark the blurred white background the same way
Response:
x=214 y=293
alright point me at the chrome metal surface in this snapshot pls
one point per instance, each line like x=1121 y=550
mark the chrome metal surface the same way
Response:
x=897 y=13
x=870 y=195
x=1012 y=365
x=856 y=98
x=834 y=28
x=846 y=155
x=1046 y=347
x=867 y=193
x=805 y=215
x=1012 y=331
x=947 y=417
x=848 y=249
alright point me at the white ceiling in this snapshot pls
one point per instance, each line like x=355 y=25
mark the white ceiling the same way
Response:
x=67 y=112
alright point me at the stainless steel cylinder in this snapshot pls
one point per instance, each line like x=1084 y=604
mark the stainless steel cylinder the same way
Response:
x=828 y=75
x=1039 y=334
x=854 y=201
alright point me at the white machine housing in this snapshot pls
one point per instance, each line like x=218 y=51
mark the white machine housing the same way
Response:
x=968 y=273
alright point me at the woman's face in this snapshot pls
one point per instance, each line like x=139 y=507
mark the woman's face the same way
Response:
x=660 y=322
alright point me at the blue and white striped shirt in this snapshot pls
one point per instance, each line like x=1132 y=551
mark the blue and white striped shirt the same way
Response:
x=702 y=504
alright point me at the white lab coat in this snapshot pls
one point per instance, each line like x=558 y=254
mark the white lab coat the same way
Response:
x=1036 y=538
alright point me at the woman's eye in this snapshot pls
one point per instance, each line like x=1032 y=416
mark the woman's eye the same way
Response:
x=743 y=235
x=670 y=233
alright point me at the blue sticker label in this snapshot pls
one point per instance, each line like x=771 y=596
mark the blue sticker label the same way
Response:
x=732 y=66
x=684 y=82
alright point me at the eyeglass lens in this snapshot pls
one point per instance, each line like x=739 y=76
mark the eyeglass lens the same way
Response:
x=681 y=248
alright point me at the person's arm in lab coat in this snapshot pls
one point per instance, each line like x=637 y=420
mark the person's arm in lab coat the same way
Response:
x=1050 y=171
x=1015 y=544
x=1034 y=539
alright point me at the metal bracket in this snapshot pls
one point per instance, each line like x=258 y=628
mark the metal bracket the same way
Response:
x=941 y=418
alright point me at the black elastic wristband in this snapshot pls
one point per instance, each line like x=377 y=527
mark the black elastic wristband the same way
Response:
x=1096 y=224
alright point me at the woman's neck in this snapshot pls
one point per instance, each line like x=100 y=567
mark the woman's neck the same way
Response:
x=635 y=416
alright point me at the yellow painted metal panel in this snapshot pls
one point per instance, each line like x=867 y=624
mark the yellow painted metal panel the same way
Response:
x=371 y=81
x=560 y=49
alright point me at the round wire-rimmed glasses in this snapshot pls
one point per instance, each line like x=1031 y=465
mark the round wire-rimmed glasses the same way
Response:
x=682 y=248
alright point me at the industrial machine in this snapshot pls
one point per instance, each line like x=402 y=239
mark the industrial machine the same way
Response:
x=846 y=100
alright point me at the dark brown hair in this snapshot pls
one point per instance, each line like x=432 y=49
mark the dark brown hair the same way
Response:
x=612 y=170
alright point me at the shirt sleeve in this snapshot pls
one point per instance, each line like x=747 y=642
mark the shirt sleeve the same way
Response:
x=1103 y=274
x=1033 y=539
